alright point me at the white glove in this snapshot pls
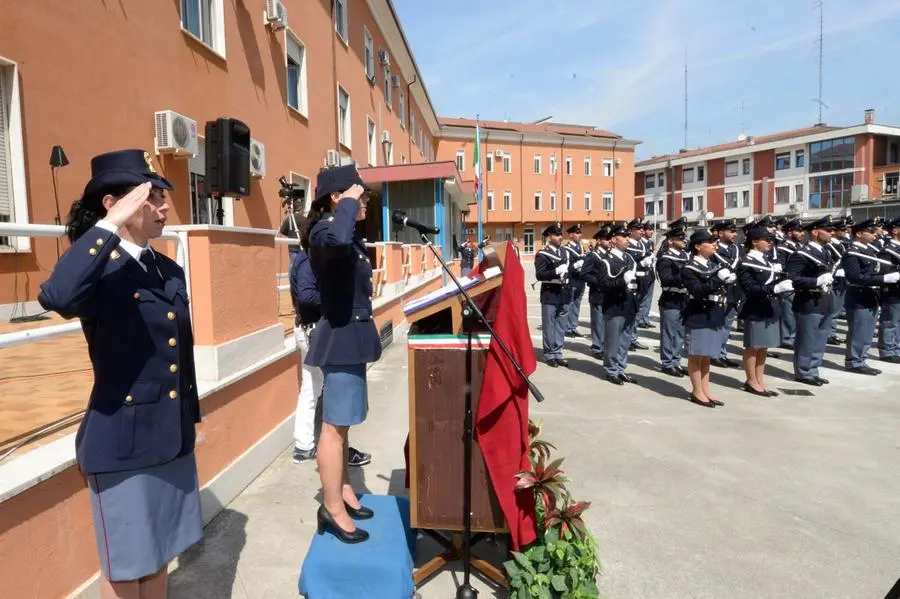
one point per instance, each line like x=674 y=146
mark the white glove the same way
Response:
x=893 y=277
x=578 y=264
x=629 y=276
x=647 y=261
x=839 y=274
x=562 y=269
x=777 y=267
x=724 y=274
x=825 y=279
x=731 y=278
x=784 y=286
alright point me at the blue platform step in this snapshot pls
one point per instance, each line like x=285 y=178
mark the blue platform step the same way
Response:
x=379 y=568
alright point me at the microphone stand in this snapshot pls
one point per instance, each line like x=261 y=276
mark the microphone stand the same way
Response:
x=472 y=316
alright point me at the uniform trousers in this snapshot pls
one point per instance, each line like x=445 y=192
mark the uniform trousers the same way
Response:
x=553 y=320
x=619 y=331
x=813 y=331
x=574 y=311
x=671 y=340
x=730 y=314
x=837 y=308
x=861 y=324
x=788 y=322
x=311 y=380
x=643 y=316
x=598 y=331
x=889 y=330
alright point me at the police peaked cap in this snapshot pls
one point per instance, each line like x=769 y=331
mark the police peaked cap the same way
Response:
x=618 y=230
x=122 y=168
x=603 y=233
x=553 y=229
x=676 y=231
x=792 y=225
x=635 y=224
x=336 y=179
x=681 y=222
x=700 y=236
x=647 y=225
x=724 y=225
x=760 y=233
x=865 y=225
x=823 y=223
x=892 y=223
x=576 y=228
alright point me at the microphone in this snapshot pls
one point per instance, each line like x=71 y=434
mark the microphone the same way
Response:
x=400 y=218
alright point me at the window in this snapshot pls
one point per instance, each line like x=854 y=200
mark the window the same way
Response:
x=343 y=117
x=388 y=88
x=507 y=201
x=489 y=162
x=607 y=201
x=296 y=73
x=687 y=204
x=460 y=160
x=490 y=201
x=799 y=158
x=688 y=175
x=203 y=19
x=650 y=181
x=829 y=191
x=340 y=18
x=402 y=158
x=13 y=194
x=701 y=173
x=402 y=100
x=390 y=154
x=507 y=162
x=783 y=195
x=893 y=152
x=745 y=164
x=745 y=198
x=537 y=201
x=649 y=208
x=831 y=155
x=660 y=180
x=798 y=192
x=552 y=201
x=568 y=201
x=552 y=164
x=607 y=167
x=731 y=198
x=303 y=182
x=369 y=44
x=528 y=240
x=412 y=126
x=373 y=145
x=782 y=161
x=537 y=163
x=699 y=202
x=731 y=168
x=587 y=201
x=587 y=166
x=568 y=165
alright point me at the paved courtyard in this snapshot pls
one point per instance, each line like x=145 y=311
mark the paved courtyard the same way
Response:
x=793 y=496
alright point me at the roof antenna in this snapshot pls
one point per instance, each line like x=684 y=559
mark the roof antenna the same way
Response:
x=685 y=98
x=820 y=4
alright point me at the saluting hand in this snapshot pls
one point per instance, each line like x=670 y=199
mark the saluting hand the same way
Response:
x=128 y=205
x=354 y=192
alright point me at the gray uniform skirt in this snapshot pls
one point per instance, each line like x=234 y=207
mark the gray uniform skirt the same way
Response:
x=704 y=342
x=345 y=398
x=145 y=518
x=761 y=334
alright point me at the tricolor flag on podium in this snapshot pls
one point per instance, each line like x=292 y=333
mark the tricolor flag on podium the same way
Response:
x=476 y=166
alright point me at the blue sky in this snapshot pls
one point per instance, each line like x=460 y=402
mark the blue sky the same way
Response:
x=620 y=65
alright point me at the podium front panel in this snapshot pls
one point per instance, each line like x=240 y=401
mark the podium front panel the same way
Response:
x=437 y=387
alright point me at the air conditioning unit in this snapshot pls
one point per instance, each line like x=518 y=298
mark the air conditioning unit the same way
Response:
x=257 y=158
x=859 y=193
x=384 y=58
x=276 y=15
x=385 y=136
x=175 y=134
x=332 y=158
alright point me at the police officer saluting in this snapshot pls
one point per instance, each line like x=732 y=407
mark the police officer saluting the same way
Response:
x=889 y=323
x=590 y=272
x=728 y=256
x=643 y=317
x=811 y=269
x=781 y=252
x=576 y=258
x=643 y=258
x=672 y=301
x=838 y=248
x=620 y=304
x=865 y=273
x=551 y=267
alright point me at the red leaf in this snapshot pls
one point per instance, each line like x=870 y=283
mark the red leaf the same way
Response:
x=576 y=509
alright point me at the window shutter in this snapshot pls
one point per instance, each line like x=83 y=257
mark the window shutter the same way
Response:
x=197 y=164
x=5 y=180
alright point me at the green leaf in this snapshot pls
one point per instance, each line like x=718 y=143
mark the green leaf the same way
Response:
x=539 y=554
x=558 y=583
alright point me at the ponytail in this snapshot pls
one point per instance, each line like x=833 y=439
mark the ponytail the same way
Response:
x=315 y=215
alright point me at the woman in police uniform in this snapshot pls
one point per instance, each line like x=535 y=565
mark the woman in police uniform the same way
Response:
x=136 y=441
x=346 y=339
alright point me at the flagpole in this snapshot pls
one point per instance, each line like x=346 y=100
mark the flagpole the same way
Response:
x=478 y=178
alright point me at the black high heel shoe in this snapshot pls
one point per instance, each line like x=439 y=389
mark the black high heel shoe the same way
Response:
x=324 y=520
x=363 y=513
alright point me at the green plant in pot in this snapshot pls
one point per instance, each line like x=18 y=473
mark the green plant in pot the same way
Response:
x=562 y=562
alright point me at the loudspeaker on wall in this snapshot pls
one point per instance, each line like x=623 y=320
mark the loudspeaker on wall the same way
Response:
x=228 y=157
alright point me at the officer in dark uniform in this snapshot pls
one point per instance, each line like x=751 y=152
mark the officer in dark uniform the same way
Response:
x=889 y=320
x=590 y=272
x=812 y=271
x=672 y=300
x=617 y=280
x=468 y=252
x=837 y=248
x=637 y=249
x=552 y=268
x=136 y=440
x=781 y=252
x=643 y=317
x=576 y=259
x=728 y=255
x=865 y=273
x=681 y=223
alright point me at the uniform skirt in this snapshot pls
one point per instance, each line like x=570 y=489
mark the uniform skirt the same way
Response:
x=345 y=398
x=761 y=334
x=145 y=518
x=704 y=342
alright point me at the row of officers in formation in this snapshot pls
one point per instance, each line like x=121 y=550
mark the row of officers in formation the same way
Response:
x=786 y=287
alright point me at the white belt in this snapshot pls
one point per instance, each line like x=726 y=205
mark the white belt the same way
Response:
x=632 y=286
x=715 y=298
x=675 y=289
x=640 y=273
x=555 y=282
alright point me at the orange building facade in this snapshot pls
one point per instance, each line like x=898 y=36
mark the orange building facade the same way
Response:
x=536 y=174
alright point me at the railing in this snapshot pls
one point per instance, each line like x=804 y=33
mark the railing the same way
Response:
x=406 y=255
x=375 y=271
x=56 y=231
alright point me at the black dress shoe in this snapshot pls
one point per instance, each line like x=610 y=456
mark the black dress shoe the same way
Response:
x=676 y=372
x=600 y=357
x=561 y=362
x=789 y=346
x=684 y=371
x=705 y=404
x=324 y=521
x=814 y=382
x=552 y=363
x=637 y=345
x=749 y=389
x=363 y=513
x=614 y=379
x=865 y=370
x=891 y=359
x=573 y=334
x=720 y=362
x=729 y=363
x=624 y=377
x=835 y=340
x=823 y=381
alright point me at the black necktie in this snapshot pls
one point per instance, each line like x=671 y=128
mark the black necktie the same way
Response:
x=152 y=272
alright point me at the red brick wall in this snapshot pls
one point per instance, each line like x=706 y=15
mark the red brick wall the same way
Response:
x=715 y=176
x=764 y=166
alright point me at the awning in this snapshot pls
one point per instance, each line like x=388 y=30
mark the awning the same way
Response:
x=410 y=172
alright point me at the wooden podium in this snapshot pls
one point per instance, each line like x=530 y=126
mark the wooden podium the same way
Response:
x=437 y=344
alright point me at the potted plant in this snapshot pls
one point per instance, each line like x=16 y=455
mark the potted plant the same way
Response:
x=562 y=562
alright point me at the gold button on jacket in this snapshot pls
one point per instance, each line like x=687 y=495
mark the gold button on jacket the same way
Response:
x=173 y=394
x=172 y=342
x=170 y=316
x=92 y=251
x=173 y=368
x=128 y=399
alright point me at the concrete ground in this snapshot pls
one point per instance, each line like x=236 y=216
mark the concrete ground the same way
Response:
x=793 y=496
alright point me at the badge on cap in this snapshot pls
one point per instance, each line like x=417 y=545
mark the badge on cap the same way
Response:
x=149 y=162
